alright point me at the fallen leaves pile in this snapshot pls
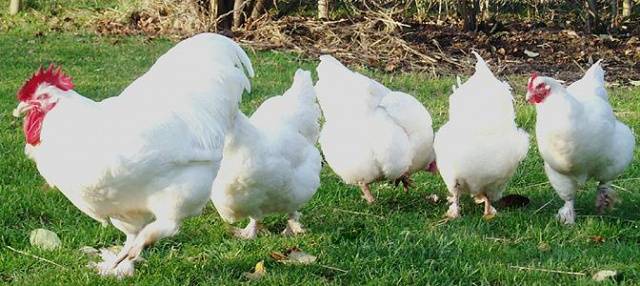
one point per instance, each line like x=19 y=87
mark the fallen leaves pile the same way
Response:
x=377 y=41
x=292 y=256
x=48 y=240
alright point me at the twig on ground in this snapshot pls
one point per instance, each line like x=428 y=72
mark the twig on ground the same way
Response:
x=333 y=268
x=35 y=256
x=610 y=217
x=547 y=270
x=628 y=179
x=358 y=213
x=579 y=66
x=535 y=185
x=620 y=188
x=543 y=206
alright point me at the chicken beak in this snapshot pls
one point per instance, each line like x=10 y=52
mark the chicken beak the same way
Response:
x=22 y=108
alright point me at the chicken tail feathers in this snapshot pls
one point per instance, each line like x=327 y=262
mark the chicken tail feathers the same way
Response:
x=592 y=83
x=596 y=73
x=238 y=56
x=308 y=111
x=302 y=85
x=481 y=66
x=296 y=108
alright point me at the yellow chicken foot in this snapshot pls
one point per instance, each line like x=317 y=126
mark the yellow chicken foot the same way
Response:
x=489 y=211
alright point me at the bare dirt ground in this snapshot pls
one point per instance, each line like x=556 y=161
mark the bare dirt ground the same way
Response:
x=380 y=42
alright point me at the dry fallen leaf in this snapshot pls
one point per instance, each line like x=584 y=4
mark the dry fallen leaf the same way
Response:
x=571 y=33
x=433 y=199
x=258 y=272
x=603 y=275
x=278 y=256
x=531 y=54
x=302 y=257
x=45 y=239
x=544 y=247
x=597 y=239
x=88 y=250
x=635 y=82
x=293 y=255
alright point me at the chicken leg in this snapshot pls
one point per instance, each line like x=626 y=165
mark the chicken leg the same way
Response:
x=489 y=211
x=366 y=193
x=454 y=208
x=151 y=233
x=605 y=198
x=567 y=213
x=112 y=263
x=565 y=188
x=406 y=182
x=294 y=226
x=250 y=231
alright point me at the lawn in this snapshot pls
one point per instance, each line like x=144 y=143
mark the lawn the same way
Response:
x=399 y=240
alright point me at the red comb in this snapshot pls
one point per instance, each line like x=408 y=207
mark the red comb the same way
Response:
x=52 y=76
x=534 y=75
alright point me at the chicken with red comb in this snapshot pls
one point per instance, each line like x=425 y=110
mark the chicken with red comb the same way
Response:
x=144 y=160
x=579 y=137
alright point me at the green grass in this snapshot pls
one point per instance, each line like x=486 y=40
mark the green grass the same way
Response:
x=399 y=240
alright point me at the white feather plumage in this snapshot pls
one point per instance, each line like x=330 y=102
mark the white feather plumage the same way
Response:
x=579 y=138
x=370 y=133
x=480 y=147
x=270 y=162
x=146 y=159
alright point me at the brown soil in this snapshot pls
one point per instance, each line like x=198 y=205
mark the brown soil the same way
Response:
x=442 y=49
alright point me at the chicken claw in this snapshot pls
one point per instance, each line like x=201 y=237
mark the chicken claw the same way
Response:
x=294 y=227
x=406 y=181
x=489 y=211
x=606 y=198
x=567 y=213
x=366 y=193
x=249 y=232
x=110 y=266
x=454 y=208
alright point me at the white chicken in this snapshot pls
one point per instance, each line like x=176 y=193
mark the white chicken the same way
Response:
x=144 y=160
x=270 y=162
x=579 y=137
x=371 y=133
x=480 y=147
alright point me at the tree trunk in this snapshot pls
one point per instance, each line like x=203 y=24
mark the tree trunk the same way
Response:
x=614 y=13
x=213 y=8
x=213 y=13
x=220 y=8
x=14 y=7
x=484 y=10
x=627 y=6
x=258 y=8
x=468 y=10
x=238 y=8
x=591 y=17
x=323 y=9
